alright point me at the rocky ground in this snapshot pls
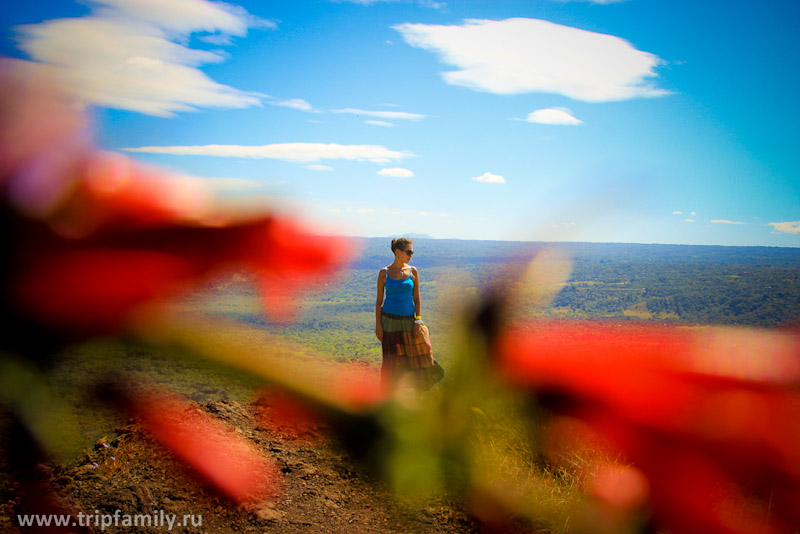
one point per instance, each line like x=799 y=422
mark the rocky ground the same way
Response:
x=323 y=489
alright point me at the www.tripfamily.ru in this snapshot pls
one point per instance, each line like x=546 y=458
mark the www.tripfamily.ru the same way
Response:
x=158 y=519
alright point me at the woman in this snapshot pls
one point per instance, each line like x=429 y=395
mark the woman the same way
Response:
x=398 y=319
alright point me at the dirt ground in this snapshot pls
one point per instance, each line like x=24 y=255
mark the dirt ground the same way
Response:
x=323 y=489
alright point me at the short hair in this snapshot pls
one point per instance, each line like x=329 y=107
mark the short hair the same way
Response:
x=401 y=243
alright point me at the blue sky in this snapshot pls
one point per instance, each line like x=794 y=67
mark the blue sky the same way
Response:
x=629 y=121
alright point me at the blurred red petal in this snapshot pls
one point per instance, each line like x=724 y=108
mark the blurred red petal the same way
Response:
x=709 y=421
x=117 y=193
x=96 y=289
x=622 y=487
x=95 y=233
x=43 y=135
x=212 y=449
x=92 y=284
x=291 y=259
x=358 y=387
x=603 y=363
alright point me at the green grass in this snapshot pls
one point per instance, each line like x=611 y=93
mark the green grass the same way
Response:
x=78 y=368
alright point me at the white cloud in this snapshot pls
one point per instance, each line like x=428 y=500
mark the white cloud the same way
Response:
x=724 y=221
x=294 y=152
x=389 y=115
x=694 y=213
x=397 y=172
x=295 y=103
x=319 y=168
x=792 y=227
x=132 y=54
x=231 y=184
x=522 y=55
x=689 y=220
x=380 y=123
x=489 y=178
x=677 y=213
x=218 y=39
x=224 y=184
x=180 y=16
x=553 y=116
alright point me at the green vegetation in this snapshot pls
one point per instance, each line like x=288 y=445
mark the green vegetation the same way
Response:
x=687 y=285
x=77 y=369
x=695 y=293
x=700 y=285
x=695 y=285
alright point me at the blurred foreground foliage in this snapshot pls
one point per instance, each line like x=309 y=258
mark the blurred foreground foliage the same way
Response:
x=565 y=425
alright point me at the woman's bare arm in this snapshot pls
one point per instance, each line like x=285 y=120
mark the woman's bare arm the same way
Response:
x=379 y=304
x=417 y=299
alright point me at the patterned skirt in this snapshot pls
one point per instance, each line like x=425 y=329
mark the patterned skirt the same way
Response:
x=404 y=358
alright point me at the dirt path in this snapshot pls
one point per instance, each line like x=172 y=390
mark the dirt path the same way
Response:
x=323 y=490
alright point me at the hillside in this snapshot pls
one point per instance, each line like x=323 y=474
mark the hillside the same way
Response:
x=324 y=488
x=321 y=488
x=698 y=285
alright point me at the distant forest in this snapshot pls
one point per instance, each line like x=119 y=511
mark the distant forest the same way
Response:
x=757 y=286
x=696 y=285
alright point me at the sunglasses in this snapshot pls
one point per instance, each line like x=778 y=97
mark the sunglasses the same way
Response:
x=409 y=252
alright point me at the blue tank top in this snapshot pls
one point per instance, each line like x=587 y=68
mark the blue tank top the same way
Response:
x=399 y=298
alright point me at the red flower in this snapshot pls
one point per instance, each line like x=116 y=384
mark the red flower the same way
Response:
x=708 y=416
x=214 y=451
x=95 y=234
x=91 y=236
